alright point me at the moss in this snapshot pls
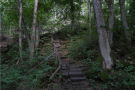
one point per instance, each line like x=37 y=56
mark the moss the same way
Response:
x=91 y=73
x=103 y=76
x=125 y=63
x=100 y=60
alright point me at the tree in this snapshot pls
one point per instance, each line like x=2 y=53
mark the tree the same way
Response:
x=34 y=29
x=20 y=31
x=1 y=25
x=124 y=20
x=89 y=16
x=102 y=34
x=79 y=15
x=110 y=4
x=72 y=14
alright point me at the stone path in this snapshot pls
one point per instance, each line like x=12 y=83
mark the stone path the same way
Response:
x=72 y=75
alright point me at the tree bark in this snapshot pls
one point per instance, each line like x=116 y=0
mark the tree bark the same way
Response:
x=110 y=4
x=34 y=29
x=37 y=38
x=20 y=31
x=79 y=15
x=124 y=20
x=89 y=17
x=1 y=25
x=23 y=23
x=72 y=14
x=102 y=34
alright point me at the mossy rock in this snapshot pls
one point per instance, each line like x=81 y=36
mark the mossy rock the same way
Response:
x=90 y=73
x=125 y=63
x=103 y=76
x=100 y=60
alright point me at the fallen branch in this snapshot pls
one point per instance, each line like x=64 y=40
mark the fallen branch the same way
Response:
x=17 y=62
x=40 y=63
x=55 y=72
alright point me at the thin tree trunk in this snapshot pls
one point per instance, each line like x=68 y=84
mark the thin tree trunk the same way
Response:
x=89 y=17
x=34 y=29
x=23 y=23
x=10 y=30
x=123 y=17
x=102 y=34
x=20 y=31
x=1 y=29
x=37 y=38
x=72 y=15
x=79 y=15
x=110 y=4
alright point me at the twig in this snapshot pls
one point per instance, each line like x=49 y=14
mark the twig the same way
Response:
x=17 y=62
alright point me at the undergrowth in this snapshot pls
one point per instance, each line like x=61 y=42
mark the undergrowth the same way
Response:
x=120 y=78
x=82 y=48
x=82 y=44
x=16 y=74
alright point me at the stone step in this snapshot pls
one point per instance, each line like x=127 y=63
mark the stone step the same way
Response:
x=56 y=41
x=65 y=60
x=75 y=74
x=77 y=78
x=74 y=67
x=56 y=45
x=64 y=74
x=63 y=57
x=64 y=68
x=63 y=65
x=72 y=62
x=78 y=83
x=75 y=70
x=69 y=80
x=59 y=50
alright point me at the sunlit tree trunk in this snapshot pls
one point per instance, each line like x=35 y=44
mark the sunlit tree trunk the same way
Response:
x=89 y=16
x=110 y=4
x=34 y=29
x=20 y=31
x=72 y=14
x=102 y=34
x=123 y=17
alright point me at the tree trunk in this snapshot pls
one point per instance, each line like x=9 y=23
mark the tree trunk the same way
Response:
x=23 y=23
x=102 y=34
x=110 y=4
x=34 y=29
x=79 y=15
x=37 y=38
x=1 y=29
x=124 y=20
x=89 y=17
x=10 y=30
x=20 y=31
x=72 y=15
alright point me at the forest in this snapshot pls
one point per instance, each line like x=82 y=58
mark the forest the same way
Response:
x=67 y=45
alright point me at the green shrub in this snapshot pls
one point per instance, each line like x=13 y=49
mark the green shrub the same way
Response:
x=77 y=48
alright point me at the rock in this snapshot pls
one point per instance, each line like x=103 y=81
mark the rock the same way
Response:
x=5 y=42
x=103 y=76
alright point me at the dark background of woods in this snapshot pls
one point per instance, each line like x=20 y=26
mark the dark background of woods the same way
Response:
x=95 y=31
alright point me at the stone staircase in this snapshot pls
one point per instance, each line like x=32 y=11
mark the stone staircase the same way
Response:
x=72 y=75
